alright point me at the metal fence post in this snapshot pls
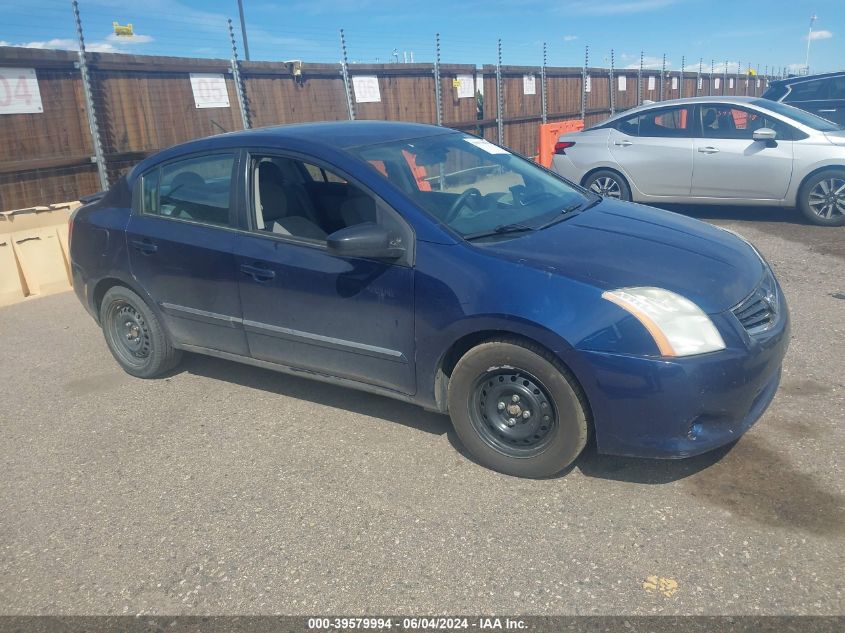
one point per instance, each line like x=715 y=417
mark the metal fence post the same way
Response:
x=640 y=81
x=584 y=83
x=612 y=87
x=236 y=77
x=500 y=124
x=681 y=80
x=438 y=96
x=738 y=71
x=90 y=110
x=698 y=77
x=712 y=72
x=725 y=79
x=543 y=97
x=350 y=108
x=663 y=78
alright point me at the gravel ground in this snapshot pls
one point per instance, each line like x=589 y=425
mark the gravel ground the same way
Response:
x=229 y=489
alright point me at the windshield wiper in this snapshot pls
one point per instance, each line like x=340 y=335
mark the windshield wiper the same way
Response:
x=502 y=229
x=578 y=206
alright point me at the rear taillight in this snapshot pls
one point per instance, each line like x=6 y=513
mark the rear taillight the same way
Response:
x=562 y=146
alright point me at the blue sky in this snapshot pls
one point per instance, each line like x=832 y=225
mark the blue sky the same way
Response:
x=761 y=32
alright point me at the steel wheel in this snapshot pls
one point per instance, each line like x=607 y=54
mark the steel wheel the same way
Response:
x=128 y=333
x=513 y=412
x=607 y=187
x=827 y=198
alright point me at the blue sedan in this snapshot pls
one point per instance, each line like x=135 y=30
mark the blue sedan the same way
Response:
x=433 y=266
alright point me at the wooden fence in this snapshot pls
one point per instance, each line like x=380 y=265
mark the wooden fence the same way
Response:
x=145 y=104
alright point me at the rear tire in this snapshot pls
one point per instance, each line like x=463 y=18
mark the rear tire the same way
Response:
x=135 y=336
x=517 y=410
x=822 y=198
x=608 y=184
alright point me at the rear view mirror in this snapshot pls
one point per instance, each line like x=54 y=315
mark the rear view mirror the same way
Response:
x=764 y=134
x=364 y=240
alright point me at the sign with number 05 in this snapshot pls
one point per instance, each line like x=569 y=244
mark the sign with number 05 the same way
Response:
x=209 y=90
x=19 y=92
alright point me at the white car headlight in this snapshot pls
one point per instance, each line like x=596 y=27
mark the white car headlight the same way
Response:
x=678 y=326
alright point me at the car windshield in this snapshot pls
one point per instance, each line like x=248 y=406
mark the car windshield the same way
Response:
x=796 y=114
x=478 y=189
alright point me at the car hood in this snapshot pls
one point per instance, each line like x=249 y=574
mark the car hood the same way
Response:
x=617 y=244
x=837 y=138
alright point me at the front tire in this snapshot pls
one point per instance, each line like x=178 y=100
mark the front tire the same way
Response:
x=135 y=336
x=822 y=198
x=517 y=410
x=608 y=184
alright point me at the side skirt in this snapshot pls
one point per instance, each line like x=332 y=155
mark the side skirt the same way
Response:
x=293 y=371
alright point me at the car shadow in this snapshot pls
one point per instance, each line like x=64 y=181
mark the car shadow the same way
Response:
x=591 y=463
x=317 y=392
x=646 y=471
x=737 y=213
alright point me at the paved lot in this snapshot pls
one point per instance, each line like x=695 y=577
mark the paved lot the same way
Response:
x=229 y=489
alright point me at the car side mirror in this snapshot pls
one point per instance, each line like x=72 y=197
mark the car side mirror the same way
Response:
x=365 y=240
x=766 y=135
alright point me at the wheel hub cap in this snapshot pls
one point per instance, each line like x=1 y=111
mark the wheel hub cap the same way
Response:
x=827 y=198
x=512 y=411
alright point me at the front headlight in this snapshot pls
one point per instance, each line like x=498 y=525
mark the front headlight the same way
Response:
x=678 y=326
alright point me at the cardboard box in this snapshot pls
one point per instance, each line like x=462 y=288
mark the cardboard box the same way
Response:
x=34 y=255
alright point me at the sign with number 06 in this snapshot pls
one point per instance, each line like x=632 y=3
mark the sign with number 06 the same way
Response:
x=19 y=92
x=209 y=90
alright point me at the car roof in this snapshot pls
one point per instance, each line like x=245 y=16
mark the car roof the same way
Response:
x=332 y=135
x=726 y=99
x=801 y=78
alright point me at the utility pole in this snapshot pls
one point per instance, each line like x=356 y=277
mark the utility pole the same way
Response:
x=243 y=29
x=813 y=19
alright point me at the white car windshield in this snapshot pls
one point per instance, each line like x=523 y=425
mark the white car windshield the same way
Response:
x=475 y=187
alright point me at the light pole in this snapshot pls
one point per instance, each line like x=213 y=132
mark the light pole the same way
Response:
x=243 y=29
x=813 y=19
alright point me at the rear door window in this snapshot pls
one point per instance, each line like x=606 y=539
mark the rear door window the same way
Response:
x=196 y=189
x=662 y=123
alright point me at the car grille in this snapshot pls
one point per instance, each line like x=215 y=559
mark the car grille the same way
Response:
x=759 y=311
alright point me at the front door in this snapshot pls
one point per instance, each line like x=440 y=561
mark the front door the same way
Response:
x=180 y=242
x=306 y=307
x=654 y=150
x=729 y=163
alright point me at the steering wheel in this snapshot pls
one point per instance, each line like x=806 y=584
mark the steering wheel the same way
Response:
x=455 y=209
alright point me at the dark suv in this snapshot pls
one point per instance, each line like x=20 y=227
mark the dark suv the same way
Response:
x=820 y=94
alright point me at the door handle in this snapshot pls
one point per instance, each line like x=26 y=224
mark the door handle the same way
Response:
x=623 y=143
x=828 y=110
x=145 y=247
x=708 y=150
x=257 y=272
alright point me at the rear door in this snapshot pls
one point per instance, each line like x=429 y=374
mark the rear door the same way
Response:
x=654 y=149
x=180 y=238
x=729 y=163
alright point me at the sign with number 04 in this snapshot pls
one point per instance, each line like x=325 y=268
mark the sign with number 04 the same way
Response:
x=19 y=92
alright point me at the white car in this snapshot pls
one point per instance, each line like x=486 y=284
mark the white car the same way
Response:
x=713 y=150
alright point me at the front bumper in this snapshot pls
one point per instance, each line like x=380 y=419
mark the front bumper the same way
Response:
x=680 y=407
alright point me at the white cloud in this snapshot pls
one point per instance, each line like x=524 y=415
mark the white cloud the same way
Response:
x=111 y=44
x=650 y=62
x=128 y=39
x=616 y=7
x=4 y=43
x=820 y=35
x=570 y=38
